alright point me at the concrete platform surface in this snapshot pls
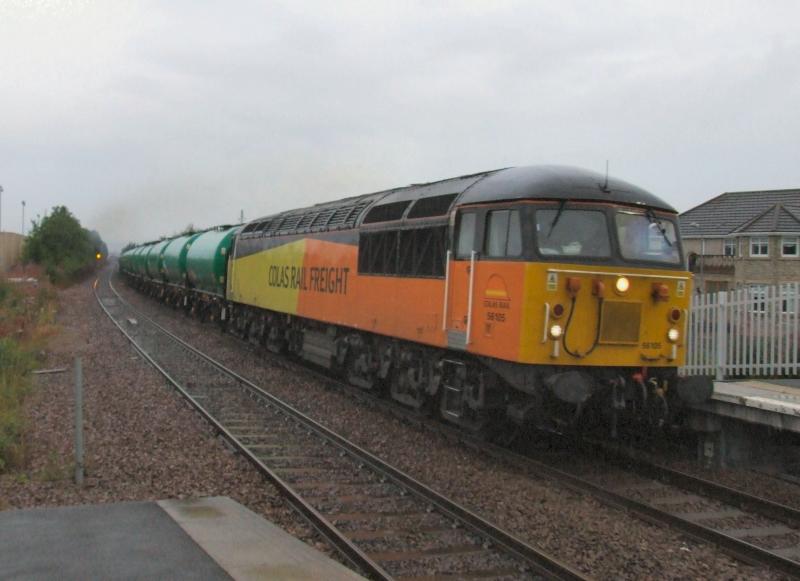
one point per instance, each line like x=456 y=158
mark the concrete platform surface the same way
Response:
x=774 y=403
x=209 y=539
x=249 y=547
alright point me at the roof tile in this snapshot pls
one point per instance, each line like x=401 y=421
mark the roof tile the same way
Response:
x=757 y=211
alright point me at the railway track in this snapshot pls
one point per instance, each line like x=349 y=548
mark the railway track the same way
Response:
x=699 y=508
x=385 y=523
x=702 y=509
x=742 y=525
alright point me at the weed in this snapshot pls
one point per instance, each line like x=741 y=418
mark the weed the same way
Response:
x=24 y=322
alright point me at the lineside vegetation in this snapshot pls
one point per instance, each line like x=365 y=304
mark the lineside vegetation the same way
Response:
x=63 y=247
x=26 y=321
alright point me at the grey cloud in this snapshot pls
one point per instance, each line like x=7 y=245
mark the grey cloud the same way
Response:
x=183 y=112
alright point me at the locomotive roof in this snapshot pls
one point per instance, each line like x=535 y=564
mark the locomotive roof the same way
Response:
x=546 y=182
x=556 y=182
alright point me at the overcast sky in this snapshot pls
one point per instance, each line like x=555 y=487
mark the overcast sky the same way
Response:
x=143 y=117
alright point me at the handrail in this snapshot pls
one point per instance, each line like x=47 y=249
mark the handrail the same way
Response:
x=469 y=300
x=446 y=289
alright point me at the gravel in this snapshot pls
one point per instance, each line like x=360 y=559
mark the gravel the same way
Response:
x=604 y=542
x=746 y=480
x=142 y=440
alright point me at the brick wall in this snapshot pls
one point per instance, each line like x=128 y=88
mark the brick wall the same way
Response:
x=10 y=249
x=773 y=269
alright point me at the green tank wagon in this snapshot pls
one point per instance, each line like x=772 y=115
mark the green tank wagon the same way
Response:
x=207 y=259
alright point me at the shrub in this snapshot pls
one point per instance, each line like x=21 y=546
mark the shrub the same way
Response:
x=62 y=246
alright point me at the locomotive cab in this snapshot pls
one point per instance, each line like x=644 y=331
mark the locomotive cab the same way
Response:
x=575 y=301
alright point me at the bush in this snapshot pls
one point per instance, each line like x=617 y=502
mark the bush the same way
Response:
x=62 y=246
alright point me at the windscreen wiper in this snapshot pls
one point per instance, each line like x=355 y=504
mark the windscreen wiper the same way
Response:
x=653 y=220
x=558 y=216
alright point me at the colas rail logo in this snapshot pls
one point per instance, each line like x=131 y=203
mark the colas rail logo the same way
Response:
x=321 y=279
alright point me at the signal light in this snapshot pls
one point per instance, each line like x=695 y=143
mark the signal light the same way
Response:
x=98 y=256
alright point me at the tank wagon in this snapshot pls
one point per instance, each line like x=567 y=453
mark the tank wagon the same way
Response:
x=534 y=294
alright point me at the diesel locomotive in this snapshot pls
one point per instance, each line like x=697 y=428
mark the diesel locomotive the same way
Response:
x=546 y=295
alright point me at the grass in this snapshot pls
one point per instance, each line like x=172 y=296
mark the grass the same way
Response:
x=26 y=320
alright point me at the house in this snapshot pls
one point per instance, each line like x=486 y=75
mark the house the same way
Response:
x=743 y=239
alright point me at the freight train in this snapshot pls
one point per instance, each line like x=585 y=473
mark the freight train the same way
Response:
x=547 y=295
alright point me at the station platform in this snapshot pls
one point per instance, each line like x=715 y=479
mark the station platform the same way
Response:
x=210 y=539
x=773 y=403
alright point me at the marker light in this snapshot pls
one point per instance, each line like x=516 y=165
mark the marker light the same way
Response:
x=555 y=331
x=673 y=335
x=558 y=310
x=623 y=284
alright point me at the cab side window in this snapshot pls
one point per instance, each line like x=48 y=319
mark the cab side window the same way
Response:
x=503 y=233
x=465 y=243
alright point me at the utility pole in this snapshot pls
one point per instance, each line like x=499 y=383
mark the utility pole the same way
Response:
x=23 y=218
x=1 y=208
x=241 y=216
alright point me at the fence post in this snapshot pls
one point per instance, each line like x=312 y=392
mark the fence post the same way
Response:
x=722 y=334
x=78 y=422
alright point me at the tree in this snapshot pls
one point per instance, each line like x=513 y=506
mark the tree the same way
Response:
x=60 y=245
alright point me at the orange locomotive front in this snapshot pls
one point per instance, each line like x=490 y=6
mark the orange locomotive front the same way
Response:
x=535 y=294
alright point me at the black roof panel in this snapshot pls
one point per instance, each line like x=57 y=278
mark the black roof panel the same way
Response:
x=546 y=182
x=557 y=182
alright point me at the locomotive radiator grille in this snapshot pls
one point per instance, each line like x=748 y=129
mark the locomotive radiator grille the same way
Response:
x=620 y=322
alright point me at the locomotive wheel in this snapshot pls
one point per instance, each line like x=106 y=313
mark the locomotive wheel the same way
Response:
x=362 y=364
x=411 y=384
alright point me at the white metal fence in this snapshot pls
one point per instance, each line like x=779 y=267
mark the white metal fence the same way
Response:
x=748 y=332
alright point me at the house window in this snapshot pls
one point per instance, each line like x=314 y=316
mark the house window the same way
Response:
x=789 y=299
x=789 y=247
x=758 y=298
x=759 y=246
x=503 y=233
x=729 y=248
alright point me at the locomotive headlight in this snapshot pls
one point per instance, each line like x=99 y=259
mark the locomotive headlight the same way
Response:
x=673 y=335
x=622 y=285
x=555 y=331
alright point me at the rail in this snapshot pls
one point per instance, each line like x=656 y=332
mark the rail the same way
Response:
x=506 y=546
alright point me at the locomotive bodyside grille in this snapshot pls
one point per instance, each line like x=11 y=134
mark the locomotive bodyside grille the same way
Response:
x=620 y=322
